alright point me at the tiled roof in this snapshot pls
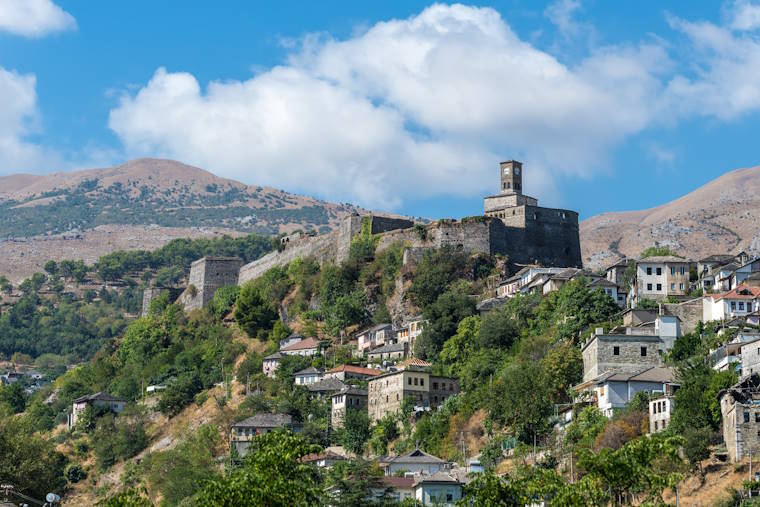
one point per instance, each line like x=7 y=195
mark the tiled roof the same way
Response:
x=265 y=420
x=101 y=396
x=308 y=343
x=413 y=361
x=653 y=374
x=326 y=385
x=358 y=370
x=391 y=481
x=276 y=355
x=741 y=292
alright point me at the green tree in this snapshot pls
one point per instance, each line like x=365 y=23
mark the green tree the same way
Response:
x=527 y=414
x=5 y=285
x=252 y=313
x=51 y=268
x=223 y=301
x=355 y=430
x=443 y=317
x=271 y=476
x=13 y=397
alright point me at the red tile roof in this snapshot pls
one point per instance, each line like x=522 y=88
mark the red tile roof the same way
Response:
x=390 y=481
x=349 y=368
x=308 y=343
x=741 y=292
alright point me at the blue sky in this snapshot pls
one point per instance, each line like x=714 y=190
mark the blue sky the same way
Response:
x=403 y=106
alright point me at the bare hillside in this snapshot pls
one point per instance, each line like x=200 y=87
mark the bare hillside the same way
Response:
x=141 y=204
x=721 y=216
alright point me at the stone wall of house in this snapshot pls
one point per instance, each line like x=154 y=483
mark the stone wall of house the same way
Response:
x=690 y=312
x=741 y=437
x=206 y=276
x=599 y=356
x=546 y=236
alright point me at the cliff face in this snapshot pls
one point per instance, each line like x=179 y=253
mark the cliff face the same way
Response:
x=722 y=216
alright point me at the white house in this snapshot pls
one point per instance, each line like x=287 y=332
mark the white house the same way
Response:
x=734 y=303
x=308 y=376
x=744 y=271
x=417 y=461
x=659 y=413
x=613 y=390
x=439 y=489
x=306 y=347
x=99 y=400
x=611 y=289
x=660 y=277
x=270 y=364
x=374 y=337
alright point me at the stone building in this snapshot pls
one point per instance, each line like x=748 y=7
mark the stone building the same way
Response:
x=388 y=391
x=101 y=400
x=270 y=364
x=628 y=350
x=389 y=352
x=740 y=409
x=242 y=433
x=660 y=277
x=348 y=398
x=612 y=390
x=346 y=372
x=206 y=276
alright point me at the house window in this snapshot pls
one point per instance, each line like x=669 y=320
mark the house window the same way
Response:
x=655 y=425
x=733 y=305
x=659 y=271
x=746 y=417
x=680 y=286
x=435 y=385
x=672 y=286
x=416 y=381
x=672 y=270
x=615 y=351
x=659 y=286
x=683 y=270
x=757 y=417
x=649 y=271
x=741 y=305
x=410 y=380
x=422 y=381
x=649 y=286
x=643 y=351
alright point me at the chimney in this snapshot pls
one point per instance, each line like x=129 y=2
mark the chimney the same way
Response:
x=599 y=330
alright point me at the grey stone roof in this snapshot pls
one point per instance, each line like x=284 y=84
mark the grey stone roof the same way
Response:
x=351 y=390
x=326 y=385
x=438 y=478
x=417 y=456
x=308 y=371
x=276 y=355
x=101 y=396
x=265 y=420
x=662 y=259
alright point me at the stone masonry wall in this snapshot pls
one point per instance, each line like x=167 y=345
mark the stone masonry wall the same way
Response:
x=690 y=313
x=209 y=274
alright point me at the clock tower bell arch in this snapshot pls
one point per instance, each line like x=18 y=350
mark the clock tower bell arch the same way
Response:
x=511 y=177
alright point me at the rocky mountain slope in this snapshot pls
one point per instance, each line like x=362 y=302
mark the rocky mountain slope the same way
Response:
x=722 y=216
x=143 y=203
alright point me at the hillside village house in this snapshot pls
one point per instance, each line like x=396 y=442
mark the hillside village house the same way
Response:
x=415 y=462
x=735 y=303
x=388 y=352
x=270 y=364
x=750 y=353
x=348 y=398
x=615 y=390
x=629 y=349
x=397 y=488
x=243 y=432
x=388 y=391
x=101 y=400
x=325 y=387
x=305 y=347
x=611 y=289
x=346 y=372
x=374 y=337
x=659 y=413
x=744 y=271
x=660 y=277
x=324 y=459
x=731 y=354
x=439 y=489
x=415 y=325
x=290 y=340
x=616 y=272
x=740 y=408
x=708 y=269
x=307 y=376
x=522 y=279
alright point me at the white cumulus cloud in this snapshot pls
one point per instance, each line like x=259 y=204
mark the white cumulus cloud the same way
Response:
x=18 y=118
x=408 y=109
x=34 y=18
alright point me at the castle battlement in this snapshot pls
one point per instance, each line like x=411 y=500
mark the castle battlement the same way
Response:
x=512 y=225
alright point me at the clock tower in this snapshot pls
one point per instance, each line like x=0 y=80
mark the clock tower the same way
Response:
x=511 y=177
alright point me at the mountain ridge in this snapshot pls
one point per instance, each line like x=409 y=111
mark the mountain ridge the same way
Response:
x=721 y=216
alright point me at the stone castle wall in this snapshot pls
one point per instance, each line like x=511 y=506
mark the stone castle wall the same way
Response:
x=206 y=276
x=323 y=248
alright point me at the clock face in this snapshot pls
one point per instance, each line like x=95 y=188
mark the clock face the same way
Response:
x=517 y=171
x=506 y=171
